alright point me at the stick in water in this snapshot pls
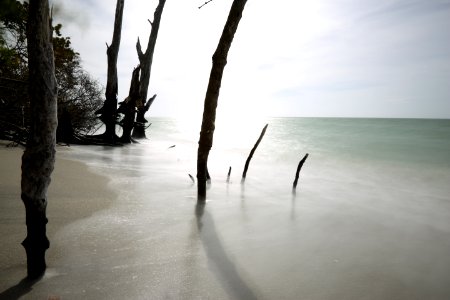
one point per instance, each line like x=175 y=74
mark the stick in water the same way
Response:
x=229 y=173
x=300 y=165
x=244 y=174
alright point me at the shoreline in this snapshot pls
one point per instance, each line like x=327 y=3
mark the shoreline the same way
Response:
x=75 y=193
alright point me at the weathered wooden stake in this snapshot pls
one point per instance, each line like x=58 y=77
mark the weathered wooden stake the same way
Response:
x=229 y=174
x=300 y=165
x=244 y=174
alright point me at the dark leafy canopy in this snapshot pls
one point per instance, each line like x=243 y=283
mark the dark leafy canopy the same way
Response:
x=79 y=96
x=13 y=48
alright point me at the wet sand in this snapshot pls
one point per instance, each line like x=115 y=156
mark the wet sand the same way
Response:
x=75 y=193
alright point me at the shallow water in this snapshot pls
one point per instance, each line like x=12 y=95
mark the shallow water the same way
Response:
x=369 y=219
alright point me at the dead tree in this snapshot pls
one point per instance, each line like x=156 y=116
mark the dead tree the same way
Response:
x=249 y=158
x=39 y=156
x=109 y=110
x=219 y=60
x=300 y=165
x=128 y=107
x=146 y=60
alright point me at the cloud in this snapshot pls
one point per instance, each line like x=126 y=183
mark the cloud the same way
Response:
x=70 y=15
x=318 y=57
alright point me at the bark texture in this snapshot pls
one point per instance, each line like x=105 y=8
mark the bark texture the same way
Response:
x=219 y=60
x=249 y=158
x=146 y=60
x=109 y=110
x=39 y=156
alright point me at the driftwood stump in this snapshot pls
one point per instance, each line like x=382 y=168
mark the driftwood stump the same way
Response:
x=247 y=163
x=300 y=165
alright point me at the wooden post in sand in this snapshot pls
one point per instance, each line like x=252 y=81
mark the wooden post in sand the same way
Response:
x=244 y=174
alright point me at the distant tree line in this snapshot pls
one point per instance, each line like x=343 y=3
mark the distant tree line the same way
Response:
x=79 y=95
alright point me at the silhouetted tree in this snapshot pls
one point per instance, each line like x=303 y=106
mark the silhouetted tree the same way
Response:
x=146 y=60
x=128 y=107
x=39 y=156
x=109 y=110
x=219 y=60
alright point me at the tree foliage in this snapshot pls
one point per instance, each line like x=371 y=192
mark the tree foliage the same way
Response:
x=79 y=95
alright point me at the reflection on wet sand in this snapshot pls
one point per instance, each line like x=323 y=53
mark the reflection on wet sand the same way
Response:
x=220 y=263
x=22 y=288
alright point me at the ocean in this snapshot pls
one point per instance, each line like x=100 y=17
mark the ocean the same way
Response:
x=369 y=219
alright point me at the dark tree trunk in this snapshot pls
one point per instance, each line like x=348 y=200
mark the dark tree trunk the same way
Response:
x=299 y=167
x=65 y=132
x=249 y=158
x=219 y=60
x=128 y=107
x=39 y=156
x=109 y=110
x=146 y=60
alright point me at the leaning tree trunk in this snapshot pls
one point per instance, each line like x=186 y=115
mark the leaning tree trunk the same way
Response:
x=146 y=60
x=219 y=60
x=128 y=107
x=109 y=110
x=39 y=156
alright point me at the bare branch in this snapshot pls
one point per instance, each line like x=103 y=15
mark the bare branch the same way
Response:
x=204 y=4
x=139 y=49
x=151 y=23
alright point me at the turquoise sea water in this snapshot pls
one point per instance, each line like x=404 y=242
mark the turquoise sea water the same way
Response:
x=370 y=218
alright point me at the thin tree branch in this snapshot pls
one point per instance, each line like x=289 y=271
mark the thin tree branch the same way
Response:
x=204 y=4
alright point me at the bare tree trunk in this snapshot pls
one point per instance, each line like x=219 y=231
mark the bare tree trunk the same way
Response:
x=109 y=110
x=128 y=107
x=39 y=156
x=146 y=60
x=219 y=60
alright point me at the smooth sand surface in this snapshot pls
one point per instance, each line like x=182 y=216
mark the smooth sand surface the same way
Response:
x=75 y=193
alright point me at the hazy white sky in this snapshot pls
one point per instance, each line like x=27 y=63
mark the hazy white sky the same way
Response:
x=320 y=58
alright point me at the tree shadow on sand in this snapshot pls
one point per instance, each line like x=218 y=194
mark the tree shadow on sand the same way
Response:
x=229 y=277
x=22 y=288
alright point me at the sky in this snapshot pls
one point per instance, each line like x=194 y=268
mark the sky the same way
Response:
x=308 y=58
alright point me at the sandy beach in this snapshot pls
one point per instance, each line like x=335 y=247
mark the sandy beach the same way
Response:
x=75 y=193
